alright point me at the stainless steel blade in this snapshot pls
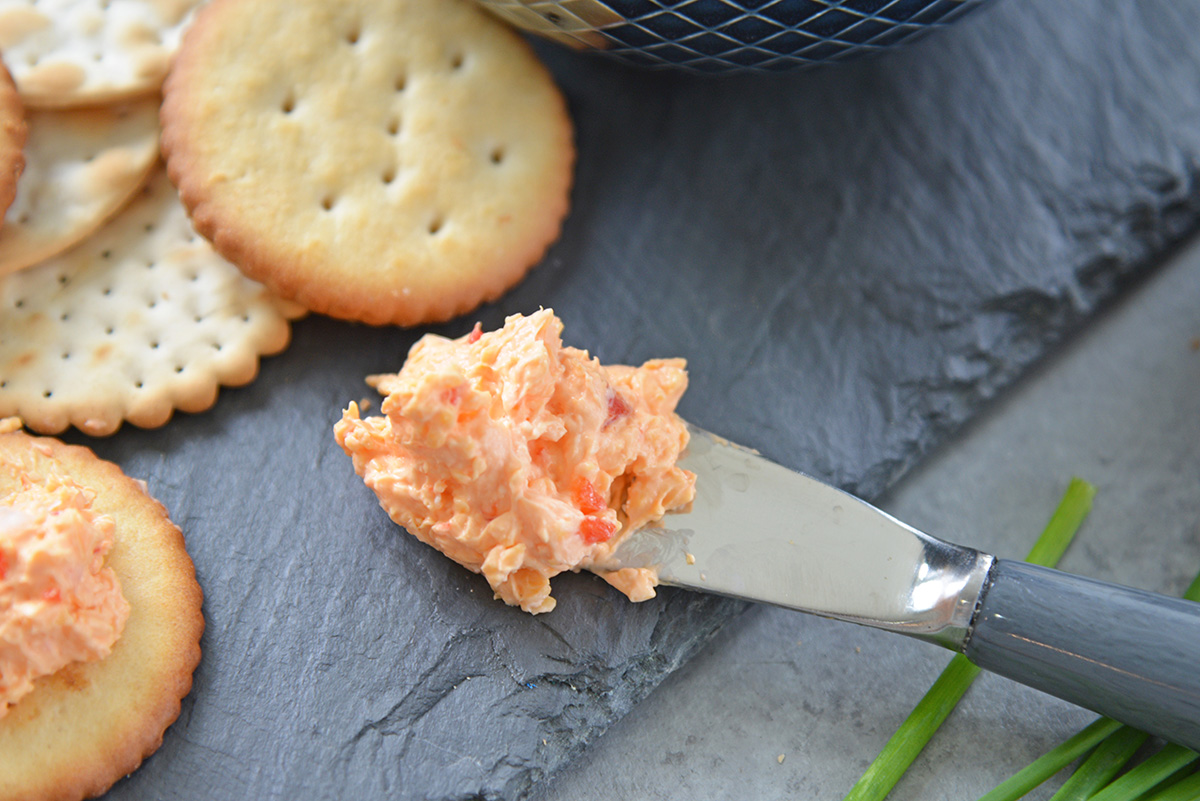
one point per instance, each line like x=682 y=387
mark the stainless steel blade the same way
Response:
x=765 y=533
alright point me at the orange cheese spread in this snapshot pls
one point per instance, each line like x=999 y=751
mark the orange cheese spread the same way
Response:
x=520 y=458
x=58 y=602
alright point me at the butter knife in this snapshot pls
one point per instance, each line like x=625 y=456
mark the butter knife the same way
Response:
x=761 y=532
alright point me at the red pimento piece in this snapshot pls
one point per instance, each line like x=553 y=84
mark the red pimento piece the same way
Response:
x=617 y=407
x=593 y=530
x=52 y=595
x=451 y=396
x=587 y=499
x=475 y=334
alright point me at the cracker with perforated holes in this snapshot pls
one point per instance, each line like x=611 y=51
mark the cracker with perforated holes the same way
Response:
x=396 y=162
x=71 y=53
x=81 y=167
x=12 y=139
x=140 y=319
x=91 y=723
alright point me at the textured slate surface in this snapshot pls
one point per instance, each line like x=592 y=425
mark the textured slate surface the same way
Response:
x=852 y=260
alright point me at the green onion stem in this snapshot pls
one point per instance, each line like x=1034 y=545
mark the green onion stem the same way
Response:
x=908 y=741
x=1045 y=766
x=1100 y=767
x=1066 y=520
x=917 y=729
x=1184 y=790
x=1168 y=783
x=1148 y=774
x=1192 y=593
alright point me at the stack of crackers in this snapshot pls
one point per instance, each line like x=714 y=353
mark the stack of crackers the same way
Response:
x=111 y=307
x=393 y=162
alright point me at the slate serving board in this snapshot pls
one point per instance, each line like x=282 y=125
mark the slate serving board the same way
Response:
x=853 y=260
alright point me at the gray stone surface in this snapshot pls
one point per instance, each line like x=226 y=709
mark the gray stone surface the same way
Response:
x=852 y=260
x=1119 y=407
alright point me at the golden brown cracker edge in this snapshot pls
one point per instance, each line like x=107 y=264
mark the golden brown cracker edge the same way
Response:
x=77 y=734
x=139 y=320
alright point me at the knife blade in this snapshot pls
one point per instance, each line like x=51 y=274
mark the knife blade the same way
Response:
x=764 y=533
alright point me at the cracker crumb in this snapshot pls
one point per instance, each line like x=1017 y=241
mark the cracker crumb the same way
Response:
x=780 y=759
x=689 y=558
x=703 y=577
x=365 y=404
x=857 y=649
x=1195 y=343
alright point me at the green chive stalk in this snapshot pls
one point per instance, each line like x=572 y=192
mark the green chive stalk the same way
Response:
x=1187 y=789
x=1149 y=774
x=1037 y=772
x=1102 y=765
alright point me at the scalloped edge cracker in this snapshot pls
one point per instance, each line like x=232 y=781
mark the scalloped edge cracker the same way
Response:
x=141 y=319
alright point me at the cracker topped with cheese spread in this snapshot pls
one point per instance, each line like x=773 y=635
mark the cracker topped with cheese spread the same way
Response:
x=100 y=621
x=521 y=458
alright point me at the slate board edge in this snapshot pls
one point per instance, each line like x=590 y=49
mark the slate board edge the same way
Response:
x=1152 y=233
x=639 y=677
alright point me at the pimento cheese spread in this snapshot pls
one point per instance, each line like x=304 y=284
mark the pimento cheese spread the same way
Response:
x=58 y=602
x=520 y=458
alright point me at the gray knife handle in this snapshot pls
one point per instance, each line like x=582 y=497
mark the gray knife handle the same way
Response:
x=1128 y=654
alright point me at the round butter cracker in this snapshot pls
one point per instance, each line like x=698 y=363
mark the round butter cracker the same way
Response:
x=396 y=162
x=84 y=727
x=71 y=53
x=139 y=320
x=81 y=168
